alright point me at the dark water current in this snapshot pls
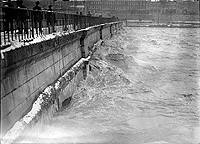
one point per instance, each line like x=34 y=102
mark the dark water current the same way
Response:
x=149 y=93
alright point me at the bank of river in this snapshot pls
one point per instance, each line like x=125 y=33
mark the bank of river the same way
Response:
x=143 y=88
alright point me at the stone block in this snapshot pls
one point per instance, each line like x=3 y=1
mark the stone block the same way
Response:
x=86 y=41
x=74 y=60
x=56 y=57
x=86 y=50
x=22 y=76
x=29 y=51
x=73 y=85
x=40 y=79
x=32 y=85
x=7 y=123
x=42 y=65
x=3 y=92
x=65 y=50
x=7 y=85
x=63 y=70
x=66 y=60
x=71 y=57
x=10 y=57
x=71 y=88
x=79 y=76
x=49 y=72
x=20 y=110
x=71 y=47
x=31 y=71
x=57 y=67
x=30 y=100
x=36 y=70
x=74 y=55
x=77 y=44
x=53 y=70
x=49 y=61
x=61 y=64
x=21 y=94
x=37 y=48
x=7 y=105
x=79 y=53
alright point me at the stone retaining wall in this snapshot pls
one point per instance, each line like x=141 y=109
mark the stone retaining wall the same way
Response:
x=27 y=70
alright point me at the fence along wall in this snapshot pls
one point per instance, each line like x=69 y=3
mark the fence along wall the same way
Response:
x=18 y=24
x=27 y=71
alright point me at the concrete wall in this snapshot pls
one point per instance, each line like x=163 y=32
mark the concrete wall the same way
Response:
x=26 y=71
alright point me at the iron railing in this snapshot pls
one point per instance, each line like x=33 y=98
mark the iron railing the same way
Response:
x=19 y=24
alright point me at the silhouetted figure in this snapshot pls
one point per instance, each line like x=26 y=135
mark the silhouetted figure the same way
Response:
x=37 y=14
x=76 y=19
x=22 y=16
x=9 y=16
x=89 y=19
x=51 y=17
x=80 y=21
x=20 y=4
x=37 y=7
x=89 y=13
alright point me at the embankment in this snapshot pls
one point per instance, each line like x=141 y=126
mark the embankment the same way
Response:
x=37 y=79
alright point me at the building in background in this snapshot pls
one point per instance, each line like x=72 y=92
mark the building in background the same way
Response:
x=131 y=9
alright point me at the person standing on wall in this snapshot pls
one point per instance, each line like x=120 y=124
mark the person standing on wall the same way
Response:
x=8 y=9
x=22 y=16
x=37 y=14
x=51 y=18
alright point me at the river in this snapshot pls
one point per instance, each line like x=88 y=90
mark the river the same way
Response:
x=143 y=88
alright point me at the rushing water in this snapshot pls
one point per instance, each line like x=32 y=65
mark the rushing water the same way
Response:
x=147 y=94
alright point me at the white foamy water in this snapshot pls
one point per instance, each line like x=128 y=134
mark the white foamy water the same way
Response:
x=148 y=95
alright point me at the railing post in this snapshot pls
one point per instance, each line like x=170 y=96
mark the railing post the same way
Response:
x=74 y=21
x=32 y=24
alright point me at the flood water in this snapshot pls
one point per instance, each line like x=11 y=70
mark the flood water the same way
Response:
x=149 y=93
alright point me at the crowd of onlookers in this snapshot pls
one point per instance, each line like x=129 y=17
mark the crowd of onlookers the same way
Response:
x=20 y=15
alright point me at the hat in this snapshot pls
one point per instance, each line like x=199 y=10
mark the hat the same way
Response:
x=37 y=2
